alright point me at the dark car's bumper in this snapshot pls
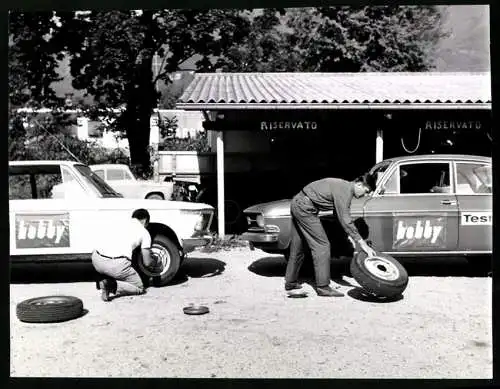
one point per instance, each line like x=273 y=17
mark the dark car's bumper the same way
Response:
x=268 y=242
x=260 y=237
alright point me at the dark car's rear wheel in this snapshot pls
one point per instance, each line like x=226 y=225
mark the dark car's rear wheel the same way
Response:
x=168 y=261
x=381 y=275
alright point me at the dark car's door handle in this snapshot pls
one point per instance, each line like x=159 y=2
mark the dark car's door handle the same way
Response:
x=448 y=202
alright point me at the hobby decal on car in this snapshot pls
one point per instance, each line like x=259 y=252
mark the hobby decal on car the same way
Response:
x=414 y=232
x=476 y=219
x=38 y=231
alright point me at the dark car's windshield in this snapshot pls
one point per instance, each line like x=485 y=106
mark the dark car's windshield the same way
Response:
x=96 y=182
x=379 y=170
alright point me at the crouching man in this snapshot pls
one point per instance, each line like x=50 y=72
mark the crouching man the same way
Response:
x=112 y=257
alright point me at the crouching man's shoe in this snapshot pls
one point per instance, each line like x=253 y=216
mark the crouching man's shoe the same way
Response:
x=107 y=286
x=327 y=291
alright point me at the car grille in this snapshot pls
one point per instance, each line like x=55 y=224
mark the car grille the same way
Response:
x=253 y=222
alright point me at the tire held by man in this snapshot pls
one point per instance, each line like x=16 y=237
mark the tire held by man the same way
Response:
x=49 y=309
x=381 y=276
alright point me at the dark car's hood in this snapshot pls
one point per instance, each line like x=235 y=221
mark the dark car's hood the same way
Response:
x=282 y=207
x=272 y=208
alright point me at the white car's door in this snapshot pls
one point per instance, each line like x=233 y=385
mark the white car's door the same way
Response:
x=50 y=211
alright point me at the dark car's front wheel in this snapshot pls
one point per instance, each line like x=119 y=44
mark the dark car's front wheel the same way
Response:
x=168 y=261
x=381 y=275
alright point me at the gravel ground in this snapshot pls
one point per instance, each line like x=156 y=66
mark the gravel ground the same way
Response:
x=440 y=329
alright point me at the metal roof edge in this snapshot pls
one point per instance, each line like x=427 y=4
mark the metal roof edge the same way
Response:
x=270 y=106
x=431 y=73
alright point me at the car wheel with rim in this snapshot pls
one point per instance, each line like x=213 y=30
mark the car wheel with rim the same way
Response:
x=380 y=275
x=49 y=309
x=168 y=261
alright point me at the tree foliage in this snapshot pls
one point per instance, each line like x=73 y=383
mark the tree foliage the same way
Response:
x=33 y=57
x=339 y=39
x=368 y=38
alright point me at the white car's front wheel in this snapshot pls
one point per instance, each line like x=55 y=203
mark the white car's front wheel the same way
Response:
x=168 y=261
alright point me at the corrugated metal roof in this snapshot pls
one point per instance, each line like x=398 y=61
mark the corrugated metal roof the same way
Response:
x=337 y=90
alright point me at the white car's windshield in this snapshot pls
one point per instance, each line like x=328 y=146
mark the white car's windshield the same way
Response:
x=96 y=182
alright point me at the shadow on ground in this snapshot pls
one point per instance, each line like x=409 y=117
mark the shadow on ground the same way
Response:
x=193 y=267
x=440 y=267
x=84 y=272
x=360 y=294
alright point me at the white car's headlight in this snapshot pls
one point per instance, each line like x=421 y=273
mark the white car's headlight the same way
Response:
x=202 y=220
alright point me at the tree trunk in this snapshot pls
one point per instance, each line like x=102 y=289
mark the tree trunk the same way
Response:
x=142 y=99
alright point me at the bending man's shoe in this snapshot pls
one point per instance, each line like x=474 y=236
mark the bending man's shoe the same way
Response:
x=327 y=291
x=292 y=286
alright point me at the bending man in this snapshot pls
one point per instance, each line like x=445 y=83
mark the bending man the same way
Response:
x=328 y=194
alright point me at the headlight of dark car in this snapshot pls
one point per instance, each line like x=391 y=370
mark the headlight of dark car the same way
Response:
x=255 y=220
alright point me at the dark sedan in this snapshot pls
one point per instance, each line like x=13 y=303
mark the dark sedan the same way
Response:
x=423 y=205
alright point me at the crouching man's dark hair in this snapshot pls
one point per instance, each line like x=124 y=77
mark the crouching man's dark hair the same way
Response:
x=369 y=180
x=141 y=214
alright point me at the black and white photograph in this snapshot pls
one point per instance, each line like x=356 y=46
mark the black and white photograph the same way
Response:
x=226 y=193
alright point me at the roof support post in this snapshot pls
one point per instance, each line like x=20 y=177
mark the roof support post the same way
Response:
x=220 y=184
x=379 y=146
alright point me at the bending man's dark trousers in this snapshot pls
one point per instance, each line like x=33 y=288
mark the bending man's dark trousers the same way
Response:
x=307 y=229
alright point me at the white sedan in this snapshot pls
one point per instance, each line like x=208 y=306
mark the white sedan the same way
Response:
x=58 y=208
x=121 y=179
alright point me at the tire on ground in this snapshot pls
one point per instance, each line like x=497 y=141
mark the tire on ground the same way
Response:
x=382 y=276
x=49 y=309
x=161 y=242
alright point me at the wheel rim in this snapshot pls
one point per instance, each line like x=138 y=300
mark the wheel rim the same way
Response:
x=382 y=268
x=155 y=197
x=163 y=261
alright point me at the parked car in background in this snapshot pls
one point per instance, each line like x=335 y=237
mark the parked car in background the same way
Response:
x=425 y=205
x=58 y=208
x=121 y=179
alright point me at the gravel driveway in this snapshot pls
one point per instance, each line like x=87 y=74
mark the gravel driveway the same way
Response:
x=440 y=329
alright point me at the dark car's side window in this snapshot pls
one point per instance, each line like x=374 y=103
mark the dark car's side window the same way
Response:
x=420 y=178
x=473 y=178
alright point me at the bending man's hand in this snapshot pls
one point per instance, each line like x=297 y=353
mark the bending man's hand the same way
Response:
x=367 y=249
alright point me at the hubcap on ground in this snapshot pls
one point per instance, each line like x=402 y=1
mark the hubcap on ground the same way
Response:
x=382 y=268
x=49 y=301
